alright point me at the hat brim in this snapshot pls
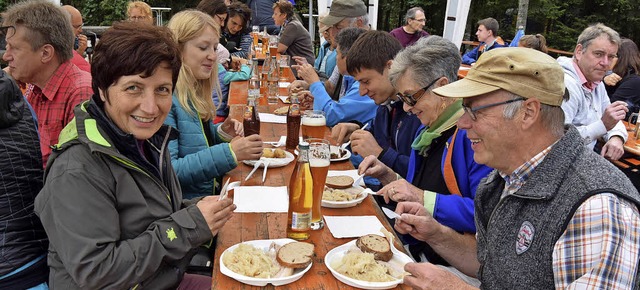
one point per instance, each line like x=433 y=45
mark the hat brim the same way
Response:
x=465 y=88
x=330 y=20
x=324 y=28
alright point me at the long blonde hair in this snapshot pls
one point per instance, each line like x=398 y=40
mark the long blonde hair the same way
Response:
x=191 y=92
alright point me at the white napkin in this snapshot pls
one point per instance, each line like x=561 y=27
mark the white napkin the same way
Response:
x=352 y=226
x=284 y=84
x=261 y=199
x=271 y=118
x=284 y=99
x=353 y=173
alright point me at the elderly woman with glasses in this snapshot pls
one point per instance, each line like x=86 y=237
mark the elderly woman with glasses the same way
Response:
x=442 y=174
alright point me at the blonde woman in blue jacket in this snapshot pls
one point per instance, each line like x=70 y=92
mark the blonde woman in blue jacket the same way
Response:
x=203 y=151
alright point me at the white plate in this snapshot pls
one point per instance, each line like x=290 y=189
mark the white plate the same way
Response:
x=350 y=203
x=346 y=154
x=262 y=244
x=273 y=162
x=284 y=99
x=339 y=251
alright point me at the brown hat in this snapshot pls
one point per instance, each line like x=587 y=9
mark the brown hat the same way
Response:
x=341 y=9
x=523 y=71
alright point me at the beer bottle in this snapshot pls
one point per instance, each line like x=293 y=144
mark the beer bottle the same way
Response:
x=293 y=122
x=254 y=81
x=251 y=122
x=300 y=197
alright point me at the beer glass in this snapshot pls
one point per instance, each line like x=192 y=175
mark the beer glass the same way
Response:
x=273 y=45
x=284 y=63
x=313 y=124
x=319 y=160
x=255 y=35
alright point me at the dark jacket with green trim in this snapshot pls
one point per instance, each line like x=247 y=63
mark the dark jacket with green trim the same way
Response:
x=115 y=220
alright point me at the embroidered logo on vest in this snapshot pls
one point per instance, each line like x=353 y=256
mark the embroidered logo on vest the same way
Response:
x=525 y=237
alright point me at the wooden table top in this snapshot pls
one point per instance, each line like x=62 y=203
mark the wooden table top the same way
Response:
x=258 y=226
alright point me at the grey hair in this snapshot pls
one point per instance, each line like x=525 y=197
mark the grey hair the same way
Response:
x=46 y=23
x=552 y=116
x=346 y=38
x=430 y=58
x=411 y=13
x=363 y=18
x=596 y=30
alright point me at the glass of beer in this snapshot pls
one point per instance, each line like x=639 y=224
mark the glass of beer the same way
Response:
x=284 y=63
x=319 y=160
x=273 y=45
x=313 y=124
x=255 y=34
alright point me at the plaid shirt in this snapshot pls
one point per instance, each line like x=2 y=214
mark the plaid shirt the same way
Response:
x=53 y=104
x=599 y=248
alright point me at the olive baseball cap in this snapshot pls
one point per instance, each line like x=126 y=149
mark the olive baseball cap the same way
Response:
x=523 y=71
x=341 y=9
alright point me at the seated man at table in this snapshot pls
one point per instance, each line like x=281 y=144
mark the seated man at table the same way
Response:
x=391 y=133
x=553 y=214
x=348 y=105
x=487 y=35
x=588 y=107
x=409 y=33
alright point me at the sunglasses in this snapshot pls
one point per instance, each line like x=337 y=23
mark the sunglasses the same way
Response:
x=412 y=99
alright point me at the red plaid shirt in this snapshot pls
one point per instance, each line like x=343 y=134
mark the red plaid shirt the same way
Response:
x=53 y=104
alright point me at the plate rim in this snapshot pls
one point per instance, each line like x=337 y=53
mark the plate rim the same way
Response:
x=262 y=281
x=369 y=285
x=345 y=204
x=344 y=157
x=273 y=161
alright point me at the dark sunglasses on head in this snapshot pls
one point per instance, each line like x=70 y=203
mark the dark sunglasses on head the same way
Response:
x=7 y=31
x=412 y=99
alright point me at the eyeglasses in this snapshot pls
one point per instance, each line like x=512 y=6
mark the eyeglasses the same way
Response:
x=7 y=32
x=472 y=111
x=78 y=26
x=420 y=20
x=412 y=99
x=137 y=18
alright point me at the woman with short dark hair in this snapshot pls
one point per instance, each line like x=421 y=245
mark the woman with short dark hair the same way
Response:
x=294 y=39
x=111 y=203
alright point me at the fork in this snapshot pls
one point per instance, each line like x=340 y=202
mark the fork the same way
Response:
x=264 y=170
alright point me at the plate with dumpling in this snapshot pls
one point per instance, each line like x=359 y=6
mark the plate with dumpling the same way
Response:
x=261 y=262
x=384 y=264
x=276 y=157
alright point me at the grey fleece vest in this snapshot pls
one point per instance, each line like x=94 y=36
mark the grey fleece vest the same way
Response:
x=516 y=235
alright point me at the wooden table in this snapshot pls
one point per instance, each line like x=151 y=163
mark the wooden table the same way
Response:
x=257 y=226
x=632 y=145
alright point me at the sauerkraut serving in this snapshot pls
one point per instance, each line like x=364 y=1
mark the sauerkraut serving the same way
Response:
x=253 y=262
x=331 y=194
x=362 y=266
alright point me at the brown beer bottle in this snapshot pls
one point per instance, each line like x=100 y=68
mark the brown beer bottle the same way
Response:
x=300 y=197
x=293 y=122
x=251 y=122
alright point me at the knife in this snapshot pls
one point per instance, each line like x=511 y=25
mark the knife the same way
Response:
x=255 y=167
x=390 y=214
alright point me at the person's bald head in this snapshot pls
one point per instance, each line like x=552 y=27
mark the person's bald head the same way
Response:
x=76 y=18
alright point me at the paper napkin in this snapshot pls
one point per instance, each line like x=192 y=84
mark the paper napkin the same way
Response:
x=261 y=199
x=343 y=226
x=271 y=118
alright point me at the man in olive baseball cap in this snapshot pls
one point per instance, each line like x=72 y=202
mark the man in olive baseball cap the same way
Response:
x=542 y=199
x=341 y=9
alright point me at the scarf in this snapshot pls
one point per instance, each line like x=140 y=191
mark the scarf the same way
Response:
x=445 y=121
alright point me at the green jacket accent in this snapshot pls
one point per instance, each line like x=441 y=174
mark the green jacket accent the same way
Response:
x=111 y=223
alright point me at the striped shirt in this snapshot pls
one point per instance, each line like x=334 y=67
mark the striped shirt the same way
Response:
x=599 y=248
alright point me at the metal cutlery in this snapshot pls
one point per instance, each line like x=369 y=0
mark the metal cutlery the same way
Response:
x=389 y=213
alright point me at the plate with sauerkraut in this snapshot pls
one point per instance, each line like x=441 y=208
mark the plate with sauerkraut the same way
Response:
x=363 y=269
x=260 y=262
x=343 y=198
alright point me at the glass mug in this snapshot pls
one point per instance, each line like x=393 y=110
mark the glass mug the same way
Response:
x=319 y=160
x=283 y=63
x=632 y=123
x=313 y=124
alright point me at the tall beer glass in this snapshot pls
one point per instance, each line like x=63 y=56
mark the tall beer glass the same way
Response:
x=313 y=124
x=319 y=160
